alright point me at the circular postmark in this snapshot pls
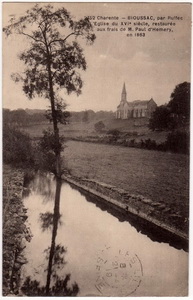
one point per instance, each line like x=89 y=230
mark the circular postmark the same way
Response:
x=119 y=273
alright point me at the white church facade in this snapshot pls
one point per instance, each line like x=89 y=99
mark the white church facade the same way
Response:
x=134 y=109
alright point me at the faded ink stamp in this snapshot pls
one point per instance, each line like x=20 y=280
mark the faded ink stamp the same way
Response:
x=118 y=273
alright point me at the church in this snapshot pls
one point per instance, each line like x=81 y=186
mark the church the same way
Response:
x=134 y=109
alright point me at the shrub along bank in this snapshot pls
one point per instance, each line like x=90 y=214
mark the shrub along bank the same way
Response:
x=17 y=147
x=16 y=232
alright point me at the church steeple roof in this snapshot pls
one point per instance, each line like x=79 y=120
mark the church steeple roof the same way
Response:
x=124 y=94
x=124 y=89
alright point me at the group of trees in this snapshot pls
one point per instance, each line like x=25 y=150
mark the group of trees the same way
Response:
x=175 y=118
x=90 y=115
x=20 y=117
x=176 y=113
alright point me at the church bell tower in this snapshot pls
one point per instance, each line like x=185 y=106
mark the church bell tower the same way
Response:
x=124 y=94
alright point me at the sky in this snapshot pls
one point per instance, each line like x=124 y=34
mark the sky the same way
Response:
x=151 y=66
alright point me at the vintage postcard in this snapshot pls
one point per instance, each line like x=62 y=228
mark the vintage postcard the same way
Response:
x=96 y=146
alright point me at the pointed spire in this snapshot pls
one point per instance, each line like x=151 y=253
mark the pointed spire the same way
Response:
x=124 y=89
x=124 y=94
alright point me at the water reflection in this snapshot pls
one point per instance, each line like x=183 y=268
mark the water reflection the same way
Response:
x=47 y=220
x=60 y=288
x=42 y=184
x=58 y=259
x=156 y=234
x=56 y=217
x=92 y=229
x=56 y=284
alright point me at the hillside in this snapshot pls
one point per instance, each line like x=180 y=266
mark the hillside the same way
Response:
x=81 y=124
x=127 y=125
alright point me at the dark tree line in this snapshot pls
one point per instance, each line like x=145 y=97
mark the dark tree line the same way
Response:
x=21 y=117
x=175 y=118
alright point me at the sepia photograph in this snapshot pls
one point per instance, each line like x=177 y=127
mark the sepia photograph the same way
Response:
x=96 y=149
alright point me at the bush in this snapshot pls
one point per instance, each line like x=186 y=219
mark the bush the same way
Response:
x=115 y=134
x=132 y=143
x=17 y=147
x=99 y=126
x=148 y=144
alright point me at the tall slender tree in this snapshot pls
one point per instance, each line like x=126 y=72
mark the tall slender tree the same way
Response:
x=52 y=59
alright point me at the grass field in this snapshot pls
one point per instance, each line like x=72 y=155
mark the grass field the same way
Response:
x=161 y=176
x=70 y=130
x=81 y=129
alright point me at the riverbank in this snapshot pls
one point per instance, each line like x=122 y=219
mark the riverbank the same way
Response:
x=155 y=213
x=15 y=230
x=161 y=177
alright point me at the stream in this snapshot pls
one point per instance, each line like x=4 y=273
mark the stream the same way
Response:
x=95 y=253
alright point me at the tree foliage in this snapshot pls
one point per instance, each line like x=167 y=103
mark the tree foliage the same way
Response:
x=20 y=117
x=52 y=52
x=176 y=113
x=178 y=141
x=17 y=147
x=85 y=117
x=48 y=147
x=161 y=118
x=17 y=117
x=180 y=100
x=61 y=115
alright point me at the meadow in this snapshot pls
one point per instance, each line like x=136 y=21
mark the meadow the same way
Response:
x=81 y=130
x=160 y=176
